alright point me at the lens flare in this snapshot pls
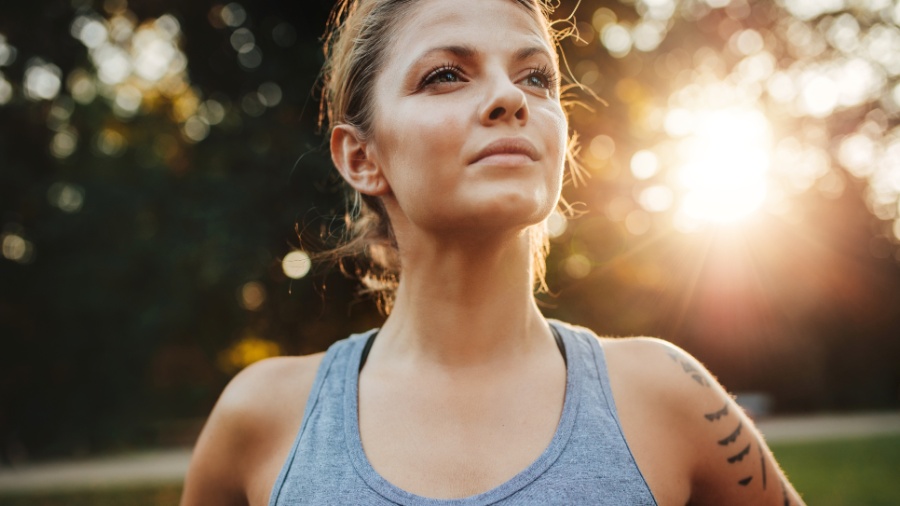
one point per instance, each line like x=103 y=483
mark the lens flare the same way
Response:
x=725 y=161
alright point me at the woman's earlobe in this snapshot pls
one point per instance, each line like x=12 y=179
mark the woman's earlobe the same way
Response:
x=352 y=156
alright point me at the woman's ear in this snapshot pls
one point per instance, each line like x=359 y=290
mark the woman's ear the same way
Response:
x=353 y=158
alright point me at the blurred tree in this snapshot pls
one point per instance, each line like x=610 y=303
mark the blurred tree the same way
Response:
x=140 y=169
x=156 y=156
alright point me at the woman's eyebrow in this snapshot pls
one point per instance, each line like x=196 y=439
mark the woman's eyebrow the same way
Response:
x=528 y=52
x=462 y=52
x=469 y=52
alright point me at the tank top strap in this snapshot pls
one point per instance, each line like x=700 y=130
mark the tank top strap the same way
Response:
x=596 y=382
x=590 y=352
x=333 y=366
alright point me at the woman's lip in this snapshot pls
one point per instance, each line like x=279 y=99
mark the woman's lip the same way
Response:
x=509 y=150
x=510 y=159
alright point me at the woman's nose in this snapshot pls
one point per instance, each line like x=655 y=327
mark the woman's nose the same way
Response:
x=505 y=103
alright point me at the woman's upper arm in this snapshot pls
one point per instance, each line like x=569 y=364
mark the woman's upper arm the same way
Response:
x=249 y=432
x=213 y=476
x=734 y=464
x=725 y=458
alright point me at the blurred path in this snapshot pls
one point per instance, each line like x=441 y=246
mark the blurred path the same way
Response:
x=150 y=468
x=169 y=467
x=823 y=427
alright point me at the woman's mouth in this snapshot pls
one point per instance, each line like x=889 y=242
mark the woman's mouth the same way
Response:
x=510 y=151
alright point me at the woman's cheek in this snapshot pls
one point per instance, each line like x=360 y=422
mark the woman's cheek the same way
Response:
x=555 y=127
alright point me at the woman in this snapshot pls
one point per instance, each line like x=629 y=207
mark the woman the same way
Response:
x=446 y=118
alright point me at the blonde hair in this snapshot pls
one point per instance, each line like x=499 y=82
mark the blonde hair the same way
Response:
x=356 y=42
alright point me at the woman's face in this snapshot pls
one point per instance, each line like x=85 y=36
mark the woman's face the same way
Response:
x=468 y=127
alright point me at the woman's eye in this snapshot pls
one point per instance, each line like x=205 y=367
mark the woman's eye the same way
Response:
x=540 y=78
x=443 y=74
x=445 y=77
x=537 y=80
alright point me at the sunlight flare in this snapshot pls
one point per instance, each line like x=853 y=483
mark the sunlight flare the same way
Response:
x=725 y=158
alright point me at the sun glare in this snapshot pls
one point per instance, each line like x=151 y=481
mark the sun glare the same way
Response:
x=724 y=161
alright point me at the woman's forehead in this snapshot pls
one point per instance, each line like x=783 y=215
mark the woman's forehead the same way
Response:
x=480 y=24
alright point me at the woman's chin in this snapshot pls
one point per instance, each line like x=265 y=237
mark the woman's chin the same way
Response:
x=504 y=213
x=519 y=207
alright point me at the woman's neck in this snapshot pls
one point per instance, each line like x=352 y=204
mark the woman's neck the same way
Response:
x=462 y=305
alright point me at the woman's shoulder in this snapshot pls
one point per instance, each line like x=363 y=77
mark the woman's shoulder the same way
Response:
x=272 y=390
x=264 y=384
x=664 y=379
x=660 y=374
x=267 y=397
x=250 y=430
x=650 y=358
x=649 y=366
x=687 y=434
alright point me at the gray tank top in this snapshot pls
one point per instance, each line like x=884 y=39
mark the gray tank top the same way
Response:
x=587 y=461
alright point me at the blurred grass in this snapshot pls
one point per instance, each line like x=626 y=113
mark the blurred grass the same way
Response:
x=857 y=472
x=165 y=495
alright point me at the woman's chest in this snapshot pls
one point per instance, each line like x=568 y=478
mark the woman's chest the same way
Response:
x=458 y=442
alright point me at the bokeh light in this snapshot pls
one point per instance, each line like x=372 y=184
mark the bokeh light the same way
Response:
x=296 y=264
x=269 y=94
x=617 y=39
x=233 y=14
x=252 y=295
x=110 y=142
x=656 y=198
x=16 y=248
x=6 y=90
x=67 y=197
x=42 y=80
x=556 y=224
x=7 y=52
x=247 y=351
x=64 y=142
x=644 y=164
x=638 y=222
x=577 y=266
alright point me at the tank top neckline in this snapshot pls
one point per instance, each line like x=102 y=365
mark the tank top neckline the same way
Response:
x=371 y=339
x=531 y=472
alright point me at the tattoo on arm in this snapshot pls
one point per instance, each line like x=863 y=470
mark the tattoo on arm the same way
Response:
x=696 y=374
x=715 y=415
x=739 y=456
x=689 y=368
x=784 y=493
x=731 y=438
x=762 y=463
x=787 y=502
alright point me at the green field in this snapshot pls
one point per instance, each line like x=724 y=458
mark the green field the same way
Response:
x=858 y=472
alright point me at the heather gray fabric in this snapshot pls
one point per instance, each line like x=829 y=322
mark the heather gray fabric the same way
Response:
x=587 y=461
